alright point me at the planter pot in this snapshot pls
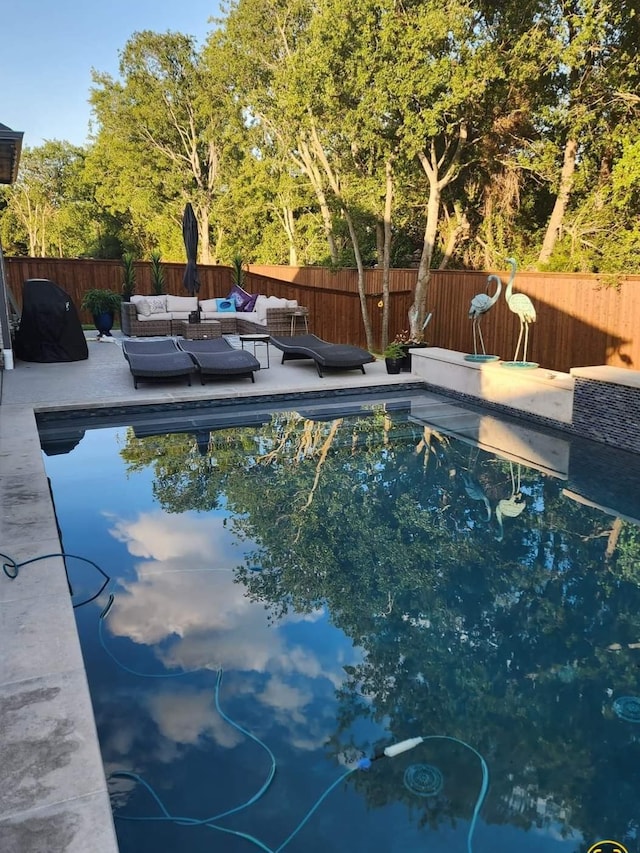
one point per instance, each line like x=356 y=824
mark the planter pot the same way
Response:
x=103 y=322
x=394 y=365
x=406 y=361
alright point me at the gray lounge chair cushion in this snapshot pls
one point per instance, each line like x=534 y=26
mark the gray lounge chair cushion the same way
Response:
x=164 y=346
x=206 y=345
x=216 y=357
x=324 y=353
x=160 y=365
x=232 y=363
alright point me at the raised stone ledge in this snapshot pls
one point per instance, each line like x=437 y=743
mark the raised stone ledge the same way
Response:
x=545 y=393
x=606 y=373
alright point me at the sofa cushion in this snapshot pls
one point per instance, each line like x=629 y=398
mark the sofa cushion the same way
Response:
x=181 y=304
x=143 y=309
x=216 y=315
x=208 y=305
x=265 y=302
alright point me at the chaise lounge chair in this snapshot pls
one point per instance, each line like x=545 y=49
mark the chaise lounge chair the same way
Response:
x=325 y=354
x=157 y=360
x=216 y=357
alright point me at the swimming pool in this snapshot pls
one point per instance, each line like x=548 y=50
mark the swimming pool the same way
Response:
x=290 y=597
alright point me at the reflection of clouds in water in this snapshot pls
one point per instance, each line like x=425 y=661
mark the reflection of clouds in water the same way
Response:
x=153 y=537
x=190 y=714
x=184 y=597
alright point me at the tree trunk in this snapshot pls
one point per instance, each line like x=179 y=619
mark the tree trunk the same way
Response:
x=556 y=219
x=461 y=229
x=312 y=172
x=289 y=224
x=386 y=251
x=334 y=183
x=203 y=234
x=379 y=241
x=418 y=311
x=431 y=164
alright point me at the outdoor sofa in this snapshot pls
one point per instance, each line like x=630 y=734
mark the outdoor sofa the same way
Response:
x=325 y=354
x=151 y=316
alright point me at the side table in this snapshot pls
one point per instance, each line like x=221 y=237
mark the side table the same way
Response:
x=256 y=340
x=302 y=314
x=201 y=331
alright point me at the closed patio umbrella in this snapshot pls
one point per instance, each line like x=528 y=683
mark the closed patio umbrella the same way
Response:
x=190 y=236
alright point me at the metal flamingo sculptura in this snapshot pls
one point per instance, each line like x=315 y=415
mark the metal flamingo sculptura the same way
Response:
x=480 y=304
x=521 y=305
x=472 y=487
x=512 y=506
x=475 y=491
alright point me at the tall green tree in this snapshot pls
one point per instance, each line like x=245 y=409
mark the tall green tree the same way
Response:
x=162 y=137
x=50 y=209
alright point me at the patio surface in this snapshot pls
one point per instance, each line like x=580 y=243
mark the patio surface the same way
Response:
x=53 y=793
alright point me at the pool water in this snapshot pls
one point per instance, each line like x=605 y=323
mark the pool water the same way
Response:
x=290 y=597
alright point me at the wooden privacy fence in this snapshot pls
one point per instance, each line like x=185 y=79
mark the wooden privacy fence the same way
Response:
x=580 y=319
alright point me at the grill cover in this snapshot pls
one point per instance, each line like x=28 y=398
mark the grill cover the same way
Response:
x=50 y=329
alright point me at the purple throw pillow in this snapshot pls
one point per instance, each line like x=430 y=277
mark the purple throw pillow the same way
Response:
x=251 y=303
x=240 y=297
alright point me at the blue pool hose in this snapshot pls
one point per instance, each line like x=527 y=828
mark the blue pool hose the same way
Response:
x=210 y=822
x=11 y=568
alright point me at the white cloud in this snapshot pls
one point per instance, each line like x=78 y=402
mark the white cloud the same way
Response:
x=184 y=603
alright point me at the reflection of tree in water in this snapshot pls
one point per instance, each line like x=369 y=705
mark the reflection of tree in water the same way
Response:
x=512 y=646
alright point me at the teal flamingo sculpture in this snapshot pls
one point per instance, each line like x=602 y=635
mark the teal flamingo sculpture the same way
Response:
x=521 y=305
x=480 y=304
x=475 y=492
x=512 y=506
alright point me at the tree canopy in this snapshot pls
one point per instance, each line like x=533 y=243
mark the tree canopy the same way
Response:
x=444 y=132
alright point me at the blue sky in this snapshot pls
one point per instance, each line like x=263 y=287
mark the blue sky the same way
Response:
x=49 y=48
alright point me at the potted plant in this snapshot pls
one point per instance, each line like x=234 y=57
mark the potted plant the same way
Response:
x=102 y=305
x=393 y=357
x=407 y=342
x=157 y=273
x=128 y=276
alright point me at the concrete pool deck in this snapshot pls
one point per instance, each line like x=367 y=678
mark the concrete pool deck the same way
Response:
x=53 y=792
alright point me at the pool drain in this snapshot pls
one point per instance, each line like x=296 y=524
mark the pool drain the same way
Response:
x=424 y=780
x=628 y=708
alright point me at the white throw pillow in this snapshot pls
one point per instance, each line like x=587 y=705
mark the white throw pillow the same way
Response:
x=141 y=305
x=143 y=308
x=157 y=304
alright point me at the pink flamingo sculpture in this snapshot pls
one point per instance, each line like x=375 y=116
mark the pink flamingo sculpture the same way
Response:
x=480 y=304
x=521 y=305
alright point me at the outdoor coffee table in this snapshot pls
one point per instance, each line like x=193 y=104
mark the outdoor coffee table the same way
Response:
x=201 y=331
x=256 y=340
